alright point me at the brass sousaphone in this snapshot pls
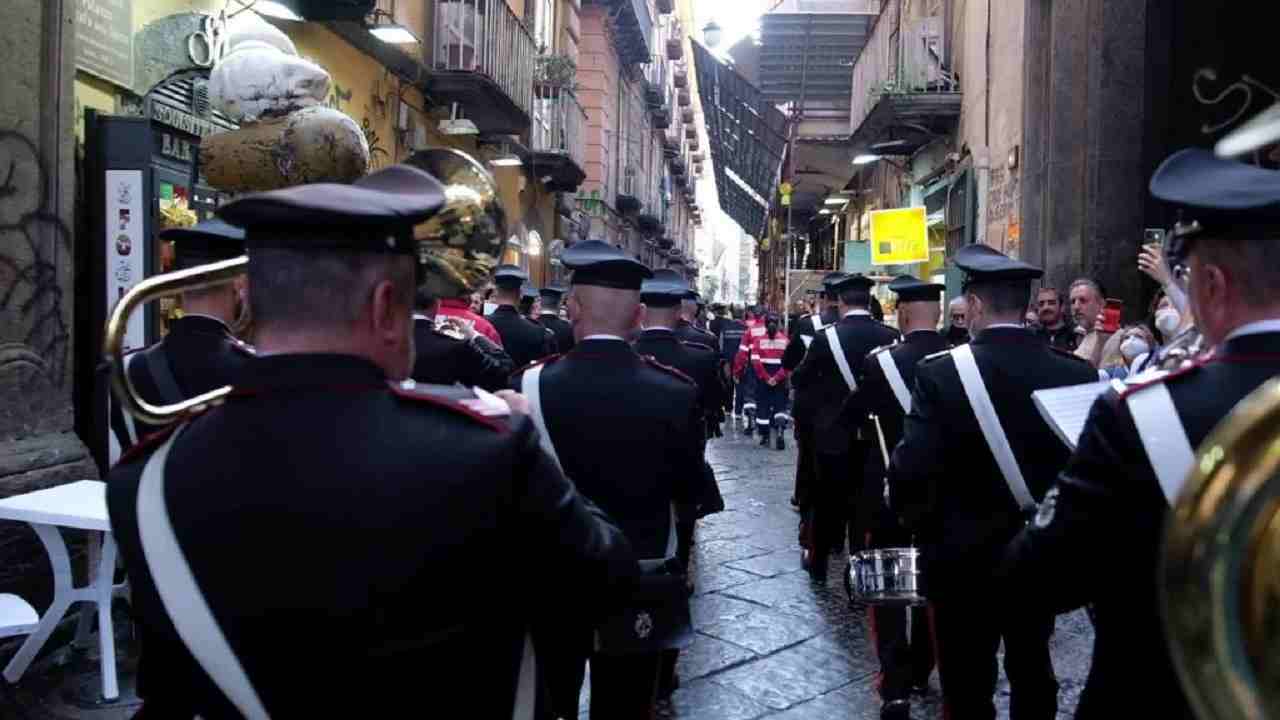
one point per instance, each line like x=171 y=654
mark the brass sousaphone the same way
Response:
x=471 y=222
x=1220 y=577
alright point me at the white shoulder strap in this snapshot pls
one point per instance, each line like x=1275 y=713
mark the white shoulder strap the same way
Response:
x=1163 y=437
x=129 y=425
x=817 y=322
x=989 y=422
x=180 y=592
x=894 y=376
x=842 y=362
x=531 y=388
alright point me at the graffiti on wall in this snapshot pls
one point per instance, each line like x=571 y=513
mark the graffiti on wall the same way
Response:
x=33 y=241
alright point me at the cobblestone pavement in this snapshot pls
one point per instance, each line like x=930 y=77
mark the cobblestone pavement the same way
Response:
x=773 y=644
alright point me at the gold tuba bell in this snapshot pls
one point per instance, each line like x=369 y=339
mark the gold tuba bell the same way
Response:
x=471 y=220
x=1220 y=577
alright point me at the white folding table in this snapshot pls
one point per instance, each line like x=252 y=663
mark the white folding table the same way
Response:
x=83 y=506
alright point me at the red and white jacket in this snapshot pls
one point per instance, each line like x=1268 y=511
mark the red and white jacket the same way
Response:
x=755 y=329
x=766 y=355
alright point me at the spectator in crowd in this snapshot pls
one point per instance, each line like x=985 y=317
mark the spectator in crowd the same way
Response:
x=1052 y=323
x=958 y=331
x=1086 y=306
x=1125 y=350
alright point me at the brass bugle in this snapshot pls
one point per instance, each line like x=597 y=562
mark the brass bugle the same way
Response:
x=1220 y=571
x=152 y=288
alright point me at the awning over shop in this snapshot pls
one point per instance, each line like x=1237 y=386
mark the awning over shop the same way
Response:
x=748 y=137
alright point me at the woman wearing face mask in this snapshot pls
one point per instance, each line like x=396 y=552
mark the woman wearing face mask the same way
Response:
x=1169 y=323
x=1123 y=350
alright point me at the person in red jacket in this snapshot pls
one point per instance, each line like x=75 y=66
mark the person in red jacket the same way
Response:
x=770 y=379
x=747 y=380
x=460 y=308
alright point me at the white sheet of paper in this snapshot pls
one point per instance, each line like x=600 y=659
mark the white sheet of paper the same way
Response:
x=1067 y=408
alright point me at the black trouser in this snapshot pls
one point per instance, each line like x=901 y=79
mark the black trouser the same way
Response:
x=906 y=659
x=805 y=461
x=744 y=392
x=967 y=633
x=770 y=400
x=828 y=508
x=622 y=686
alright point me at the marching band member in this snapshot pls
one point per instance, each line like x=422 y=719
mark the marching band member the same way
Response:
x=828 y=372
x=974 y=460
x=1137 y=445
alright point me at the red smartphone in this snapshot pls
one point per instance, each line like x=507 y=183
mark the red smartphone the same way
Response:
x=1111 y=315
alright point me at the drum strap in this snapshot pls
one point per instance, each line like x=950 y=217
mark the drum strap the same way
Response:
x=989 y=422
x=894 y=376
x=1163 y=437
x=531 y=388
x=130 y=427
x=180 y=592
x=842 y=362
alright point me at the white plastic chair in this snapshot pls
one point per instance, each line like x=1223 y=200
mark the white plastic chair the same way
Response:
x=17 y=617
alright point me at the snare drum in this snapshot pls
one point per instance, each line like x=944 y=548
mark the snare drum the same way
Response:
x=888 y=576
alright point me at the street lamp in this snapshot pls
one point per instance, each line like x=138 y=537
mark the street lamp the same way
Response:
x=711 y=34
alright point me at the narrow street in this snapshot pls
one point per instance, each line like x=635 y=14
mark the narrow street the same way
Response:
x=771 y=643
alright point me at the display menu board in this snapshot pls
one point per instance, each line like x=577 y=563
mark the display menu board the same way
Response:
x=104 y=39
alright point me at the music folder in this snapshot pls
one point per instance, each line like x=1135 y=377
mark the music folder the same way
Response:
x=1067 y=408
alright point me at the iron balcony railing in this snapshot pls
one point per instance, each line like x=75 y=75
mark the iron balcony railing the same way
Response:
x=897 y=60
x=557 y=125
x=485 y=37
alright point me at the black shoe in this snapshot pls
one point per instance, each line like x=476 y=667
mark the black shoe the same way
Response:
x=816 y=565
x=667 y=686
x=781 y=444
x=795 y=504
x=895 y=710
x=749 y=430
x=764 y=438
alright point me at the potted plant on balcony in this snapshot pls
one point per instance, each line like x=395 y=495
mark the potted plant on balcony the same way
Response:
x=552 y=73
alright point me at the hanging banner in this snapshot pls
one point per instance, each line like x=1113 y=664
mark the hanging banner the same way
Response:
x=899 y=237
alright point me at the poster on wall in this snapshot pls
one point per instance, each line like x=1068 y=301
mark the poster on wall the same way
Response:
x=899 y=237
x=126 y=247
x=125 y=257
x=104 y=39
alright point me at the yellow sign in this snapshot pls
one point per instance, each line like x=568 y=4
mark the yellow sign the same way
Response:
x=786 y=199
x=785 y=188
x=899 y=237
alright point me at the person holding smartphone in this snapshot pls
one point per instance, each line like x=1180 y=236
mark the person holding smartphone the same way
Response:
x=1087 y=303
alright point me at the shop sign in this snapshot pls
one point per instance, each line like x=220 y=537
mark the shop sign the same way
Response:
x=175 y=147
x=899 y=237
x=186 y=122
x=104 y=39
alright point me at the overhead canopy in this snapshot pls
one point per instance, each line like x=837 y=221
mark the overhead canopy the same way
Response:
x=747 y=136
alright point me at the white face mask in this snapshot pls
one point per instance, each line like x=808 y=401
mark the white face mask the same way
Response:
x=1167 y=322
x=1133 y=346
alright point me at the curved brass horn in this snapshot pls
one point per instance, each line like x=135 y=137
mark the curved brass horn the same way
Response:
x=1220 y=577
x=172 y=283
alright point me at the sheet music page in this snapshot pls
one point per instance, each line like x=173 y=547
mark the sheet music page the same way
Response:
x=1067 y=408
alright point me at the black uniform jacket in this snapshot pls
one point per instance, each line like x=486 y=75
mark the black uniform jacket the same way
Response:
x=944 y=480
x=695 y=360
x=562 y=329
x=524 y=340
x=689 y=332
x=730 y=339
x=201 y=355
x=819 y=382
x=802 y=407
x=628 y=433
x=1108 y=498
x=876 y=397
x=444 y=360
x=354 y=540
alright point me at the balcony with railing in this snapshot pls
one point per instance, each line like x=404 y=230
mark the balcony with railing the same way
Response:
x=483 y=58
x=657 y=92
x=556 y=139
x=903 y=96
